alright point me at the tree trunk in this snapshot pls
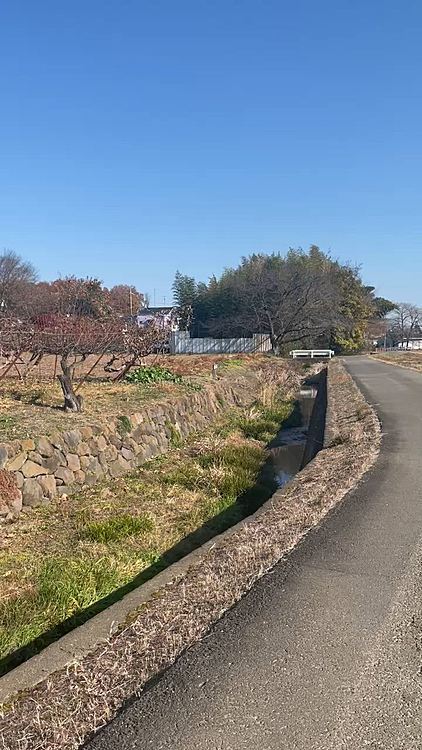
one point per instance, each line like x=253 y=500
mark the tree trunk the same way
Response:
x=275 y=344
x=72 y=402
x=109 y=366
x=125 y=369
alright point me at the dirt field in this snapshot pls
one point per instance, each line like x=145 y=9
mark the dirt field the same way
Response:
x=412 y=360
x=33 y=406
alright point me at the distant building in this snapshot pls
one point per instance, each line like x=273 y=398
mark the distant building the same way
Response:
x=163 y=317
x=411 y=344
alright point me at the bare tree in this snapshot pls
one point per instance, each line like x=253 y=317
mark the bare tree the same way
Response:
x=71 y=339
x=142 y=341
x=15 y=277
x=406 y=322
x=125 y=300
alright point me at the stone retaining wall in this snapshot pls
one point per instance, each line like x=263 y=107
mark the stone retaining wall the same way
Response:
x=64 y=462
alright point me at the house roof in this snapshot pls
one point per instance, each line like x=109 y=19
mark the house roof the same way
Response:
x=155 y=310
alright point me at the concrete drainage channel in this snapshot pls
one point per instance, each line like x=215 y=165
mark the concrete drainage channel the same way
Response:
x=293 y=448
x=80 y=682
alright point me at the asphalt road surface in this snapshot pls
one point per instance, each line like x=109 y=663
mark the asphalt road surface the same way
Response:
x=325 y=651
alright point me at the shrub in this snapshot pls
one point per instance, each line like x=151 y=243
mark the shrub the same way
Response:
x=153 y=374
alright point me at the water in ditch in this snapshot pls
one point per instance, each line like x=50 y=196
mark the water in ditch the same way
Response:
x=288 y=447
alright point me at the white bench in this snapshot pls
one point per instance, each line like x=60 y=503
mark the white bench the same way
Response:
x=312 y=353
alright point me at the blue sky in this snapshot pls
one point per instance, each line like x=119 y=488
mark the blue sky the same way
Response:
x=142 y=136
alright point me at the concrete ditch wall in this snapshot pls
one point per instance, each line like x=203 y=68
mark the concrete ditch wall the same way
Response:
x=64 y=462
x=317 y=425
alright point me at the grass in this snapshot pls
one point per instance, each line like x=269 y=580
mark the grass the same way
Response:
x=226 y=471
x=124 y=425
x=60 y=560
x=176 y=439
x=262 y=422
x=30 y=412
x=63 y=586
x=7 y=423
x=231 y=364
x=116 y=528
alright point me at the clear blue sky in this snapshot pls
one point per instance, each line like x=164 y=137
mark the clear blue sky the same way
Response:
x=141 y=136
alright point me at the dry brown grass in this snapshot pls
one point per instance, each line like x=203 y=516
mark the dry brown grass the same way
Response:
x=61 y=712
x=32 y=407
x=193 y=364
x=410 y=360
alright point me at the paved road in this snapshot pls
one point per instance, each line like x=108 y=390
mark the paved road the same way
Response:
x=325 y=652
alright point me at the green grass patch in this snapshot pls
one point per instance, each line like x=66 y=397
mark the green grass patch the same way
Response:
x=124 y=425
x=231 y=364
x=153 y=374
x=116 y=528
x=176 y=439
x=63 y=587
x=226 y=472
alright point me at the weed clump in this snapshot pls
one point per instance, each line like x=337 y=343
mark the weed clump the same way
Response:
x=176 y=439
x=153 y=374
x=124 y=425
x=263 y=422
x=116 y=528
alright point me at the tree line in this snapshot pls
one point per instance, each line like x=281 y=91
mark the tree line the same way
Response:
x=302 y=297
x=23 y=295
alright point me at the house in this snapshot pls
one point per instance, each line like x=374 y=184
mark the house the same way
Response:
x=410 y=344
x=163 y=317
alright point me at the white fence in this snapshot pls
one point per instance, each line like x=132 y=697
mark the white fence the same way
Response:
x=312 y=353
x=182 y=343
